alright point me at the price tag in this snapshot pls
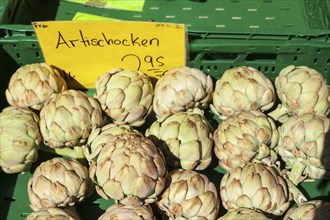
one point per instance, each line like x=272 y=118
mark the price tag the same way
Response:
x=87 y=49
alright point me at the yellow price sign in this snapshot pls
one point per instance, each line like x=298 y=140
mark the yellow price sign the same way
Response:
x=87 y=49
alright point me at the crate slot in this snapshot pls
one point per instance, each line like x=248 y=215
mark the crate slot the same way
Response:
x=295 y=58
x=209 y=68
x=24 y=214
x=252 y=9
x=169 y=16
x=220 y=25
x=203 y=17
x=254 y=26
x=154 y=8
x=186 y=8
x=260 y=56
x=273 y=69
x=219 y=9
x=269 y=18
x=12 y=199
x=236 y=17
x=220 y=56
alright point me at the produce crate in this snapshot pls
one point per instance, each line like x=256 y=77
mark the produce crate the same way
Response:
x=265 y=34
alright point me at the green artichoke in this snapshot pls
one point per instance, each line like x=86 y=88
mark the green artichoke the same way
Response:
x=189 y=195
x=125 y=95
x=67 y=119
x=304 y=146
x=59 y=182
x=244 y=214
x=244 y=137
x=53 y=214
x=301 y=90
x=31 y=85
x=120 y=211
x=129 y=169
x=255 y=186
x=310 y=210
x=181 y=89
x=242 y=88
x=100 y=136
x=20 y=139
x=185 y=139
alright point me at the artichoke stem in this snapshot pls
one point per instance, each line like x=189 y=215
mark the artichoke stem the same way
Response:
x=298 y=196
x=75 y=152
x=296 y=172
x=279 y=114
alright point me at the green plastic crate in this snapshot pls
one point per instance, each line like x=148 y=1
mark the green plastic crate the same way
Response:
x=265 y=34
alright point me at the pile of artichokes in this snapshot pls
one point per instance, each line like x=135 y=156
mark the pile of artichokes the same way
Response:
x=186 y=147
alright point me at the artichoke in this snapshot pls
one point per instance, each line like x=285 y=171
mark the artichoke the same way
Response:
x=100 y=136
x=120 y=211
x=129 y=169
x=20 y=139
x=185 y=139
x=244 y=214
x=255 y=186
x=244 y=137
x=189 y=195
x=53 y=213
x=242 y=88
x=68 y=118
x=125 y=95
x=59 y=182
x=181 y=89
x=310 y=210
x=301 y=90
x=304 y=146
x=31 y=85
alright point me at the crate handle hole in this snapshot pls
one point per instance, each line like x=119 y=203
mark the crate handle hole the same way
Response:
x=220 y=56
x=260 y=56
